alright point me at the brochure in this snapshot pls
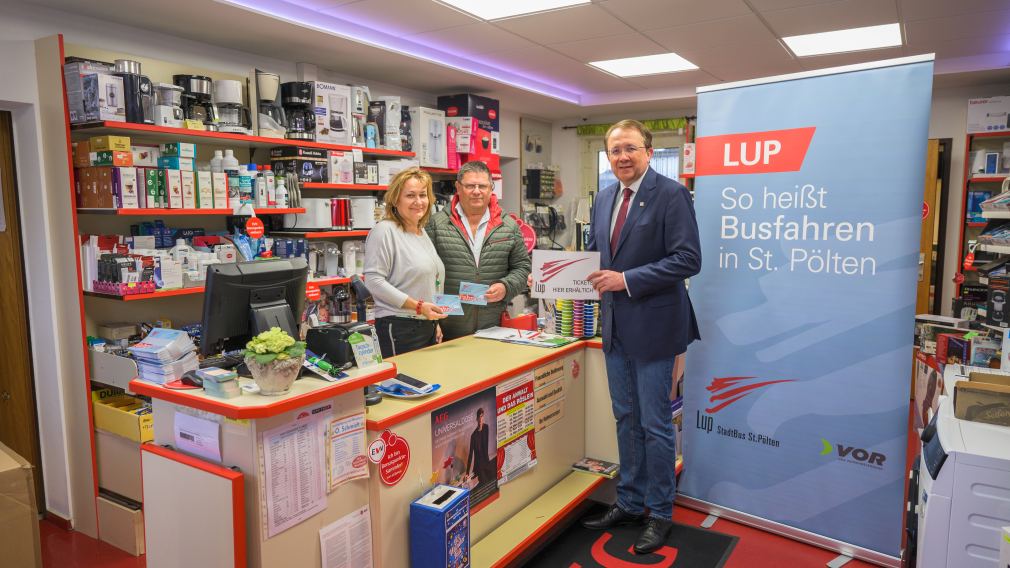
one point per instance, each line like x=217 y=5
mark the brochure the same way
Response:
x=450 y=304
x=524 y=337
x=597 y=467
x=473 y=293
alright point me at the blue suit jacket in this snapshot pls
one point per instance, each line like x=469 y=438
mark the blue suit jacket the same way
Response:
x=658 y=249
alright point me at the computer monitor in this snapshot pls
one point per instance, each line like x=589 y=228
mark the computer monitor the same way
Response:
x=243 y=299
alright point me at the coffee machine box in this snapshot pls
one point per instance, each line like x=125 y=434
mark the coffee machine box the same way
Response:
x=341 y=167
x=173 y=188
x=393 y=117
x=428 y=136
x=309 y=164
x=484 y=109
x=219 y=181
x=124 y=188
x=366 y=173
x=332 y=107
x=74 y=71
x=204 y=190
x=104 y=97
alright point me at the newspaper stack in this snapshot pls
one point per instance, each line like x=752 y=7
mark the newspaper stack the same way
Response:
x=165 y=355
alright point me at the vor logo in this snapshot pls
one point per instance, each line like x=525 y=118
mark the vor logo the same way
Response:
x=727 y=390
x=853 y=454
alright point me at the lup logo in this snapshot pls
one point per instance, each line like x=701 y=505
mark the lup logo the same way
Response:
x=703 y=422
x=753 y=152
x=767 y=148
x=854 y=454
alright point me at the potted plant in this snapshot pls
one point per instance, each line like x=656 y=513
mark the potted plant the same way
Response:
x=274 y=359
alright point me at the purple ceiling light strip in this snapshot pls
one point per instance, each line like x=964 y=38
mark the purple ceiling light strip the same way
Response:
x=354 y=31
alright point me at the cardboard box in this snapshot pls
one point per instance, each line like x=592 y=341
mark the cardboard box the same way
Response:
x=125 y=188
x=118 y=465
x=104 y=97
x=179 y=150
x=484 y=109
x=394 y=114
x=204 y=190
x=952 y=348
x=176 y=163
x=111 y=143
x=151 y=183
x=366 y=173
x=928 y=387
x=74 y=71
x=121 y=526
x=997 y=311
x=19 y=514
x=377 y=117
x=982 y=402
x=333 y=113
x=145 y=155
x=188 y=189
x=989 y=114
x=985 y=352
x=219 y=181
x=428 y=136
x=173 y=188
x=341 y=167
x=114 y=413
x=82 y=154
x=309 y=164
x=111 y=158
x=992 y=378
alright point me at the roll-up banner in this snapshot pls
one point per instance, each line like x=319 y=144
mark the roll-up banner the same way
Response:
x=809 y=203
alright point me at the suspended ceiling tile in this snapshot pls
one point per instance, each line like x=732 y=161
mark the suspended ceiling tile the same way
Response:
x=912 y=10
x=612 y=47
x=402 y=16
x=767 y=51
x=840 y=59
x=570 y=24
x=551 y=67
x=964 y=47
x=655 y=14
x=666 y=80
x=756 y=70
x=472 y=39
x=923 y=32
x=739 y=29
x=839 y=15
x=769 y=5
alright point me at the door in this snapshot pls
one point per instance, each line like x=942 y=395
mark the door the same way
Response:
x=930 y=223
x=19 y=427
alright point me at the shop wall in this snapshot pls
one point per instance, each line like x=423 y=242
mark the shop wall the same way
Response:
x=947 y=119
x=65 y=442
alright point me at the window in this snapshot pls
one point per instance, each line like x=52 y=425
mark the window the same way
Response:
x=666 y=162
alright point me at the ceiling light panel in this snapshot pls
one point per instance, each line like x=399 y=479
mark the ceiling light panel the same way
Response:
x=498 y=10
x=842 y=41
x=645 y=65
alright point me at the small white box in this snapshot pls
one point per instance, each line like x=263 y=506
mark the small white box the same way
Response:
x=145 y=156
x=989 y=114
x=341 y=167
x=393 y=118
x=427 y=126
x=219 y=181
x=204 y=190
x=332 y=105
x=173 y=189
x=188 y=189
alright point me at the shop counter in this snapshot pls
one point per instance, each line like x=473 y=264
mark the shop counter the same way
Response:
x=240 y=423
x=572 y=419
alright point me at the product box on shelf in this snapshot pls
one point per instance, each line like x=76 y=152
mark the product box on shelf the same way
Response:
x=219 y=181
x=989 y=114
x=982 y=401
x=173 y=188
x=204 y=190
x=366 y=173
x=82 y=154
x=104 y=97
x=996 y=307
x=188 y=189
x=74 y=71
x=112 y=158
x=952 y=348
x=309 y=164
x=376 y=118
x=428 y=136
x=176 y=163
x=19 y=515
x=482 y=109
x=145 y=155
x=341 y=167
x=179 y=149
x=928 y=387
x=333 y=113
x=112 y=143
x=391 y=128
x=124 y=188
x=389 y=168
x=985 y=351
x=152 y=181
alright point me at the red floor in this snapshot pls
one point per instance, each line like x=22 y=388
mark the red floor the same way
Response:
x=68 y=549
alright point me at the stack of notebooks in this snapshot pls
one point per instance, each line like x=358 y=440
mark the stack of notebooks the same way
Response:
x=165 y=355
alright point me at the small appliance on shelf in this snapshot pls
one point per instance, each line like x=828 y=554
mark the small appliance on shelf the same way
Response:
x=168 y=105
x=232 y=114
x=272 y=123
x=297 y=99
x=197 y=102
x=138 y=92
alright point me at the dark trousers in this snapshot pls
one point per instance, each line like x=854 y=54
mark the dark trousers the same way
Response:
x=399 y=335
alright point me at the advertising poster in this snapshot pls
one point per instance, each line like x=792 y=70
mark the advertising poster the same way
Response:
x=464 y=450
x=809 y=201
x=562 y=274
x=346 y=449
x=517 y=448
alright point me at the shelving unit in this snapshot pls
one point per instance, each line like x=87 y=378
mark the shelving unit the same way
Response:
x=151 y=296
x=969 y=230
x=323 y=234
x=345 y=186
x=179 y=212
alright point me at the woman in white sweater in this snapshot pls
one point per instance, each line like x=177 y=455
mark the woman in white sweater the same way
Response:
x=402 y=269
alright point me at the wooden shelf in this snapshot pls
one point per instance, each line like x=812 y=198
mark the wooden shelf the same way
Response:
x=996 y=214
x=345 y=186
x=152 y=296
x=986 y=179
x=176 y=212
x=322 y=234
x=169 y=134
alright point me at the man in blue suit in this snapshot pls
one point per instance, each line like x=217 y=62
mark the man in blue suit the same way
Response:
x=645 y=229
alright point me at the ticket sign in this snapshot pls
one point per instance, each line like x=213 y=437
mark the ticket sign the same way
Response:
x=563 y=275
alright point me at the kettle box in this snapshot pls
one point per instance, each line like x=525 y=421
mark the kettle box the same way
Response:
x=309 y=164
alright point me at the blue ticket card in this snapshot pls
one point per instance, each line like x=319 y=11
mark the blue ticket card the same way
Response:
x=473 y=293
x=450 y=304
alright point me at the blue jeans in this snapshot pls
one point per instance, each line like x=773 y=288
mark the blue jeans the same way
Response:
x=640 y=394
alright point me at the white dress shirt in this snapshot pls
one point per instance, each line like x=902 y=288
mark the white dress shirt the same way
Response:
x=476 y=241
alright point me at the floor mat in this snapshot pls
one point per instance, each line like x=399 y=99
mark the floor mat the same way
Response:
x=686 y=547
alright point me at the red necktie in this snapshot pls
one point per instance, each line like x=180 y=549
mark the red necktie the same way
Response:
x=622 y=214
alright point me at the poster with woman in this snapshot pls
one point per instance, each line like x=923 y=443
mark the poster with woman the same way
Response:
x=464 y=446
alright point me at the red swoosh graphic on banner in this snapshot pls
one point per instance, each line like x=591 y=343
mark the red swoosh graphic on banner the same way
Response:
x=725 y=389
x=553 y=268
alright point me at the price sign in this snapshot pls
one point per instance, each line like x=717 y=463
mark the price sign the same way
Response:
x=312 y=291
x=254 y=228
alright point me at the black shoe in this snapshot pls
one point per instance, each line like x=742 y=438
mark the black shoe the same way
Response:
x=613 y=517
x=654 y=536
